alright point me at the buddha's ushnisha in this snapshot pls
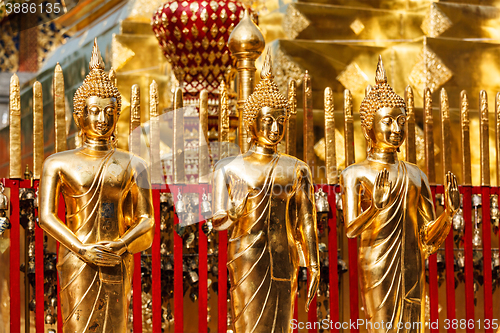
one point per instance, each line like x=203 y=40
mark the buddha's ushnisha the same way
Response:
x=388 y=205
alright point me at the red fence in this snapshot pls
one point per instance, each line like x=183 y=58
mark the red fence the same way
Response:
x=333 y=281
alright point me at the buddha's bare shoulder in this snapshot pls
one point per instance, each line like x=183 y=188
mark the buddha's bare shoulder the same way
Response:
x=357 y=170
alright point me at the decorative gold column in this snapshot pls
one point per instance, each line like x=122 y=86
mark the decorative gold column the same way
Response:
x=445 y=133
x=178 y=151
x=497 y=132
x=59 y=109
x=38 y=153
x=135 y=120
x=330 y=153
x=154 y=135
x=348 y=129
x=246 y=44
x=411 y=150
x=465 y=134
x=429 y=137
x=203 y=144
x=15 y=169
x=223 y=122
x=484 y=138
x=291 y=132
x=308 y=123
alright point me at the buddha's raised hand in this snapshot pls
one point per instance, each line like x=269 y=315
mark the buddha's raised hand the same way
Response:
x=238 y=199
x=381 y=189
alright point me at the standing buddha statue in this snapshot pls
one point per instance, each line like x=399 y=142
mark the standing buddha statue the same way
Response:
x=389 y=205
x=109 y=212
x=266 y=200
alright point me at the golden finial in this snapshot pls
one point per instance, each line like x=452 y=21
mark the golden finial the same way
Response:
x=153 y=99
x=96 y=61
x=15 y=167
x=380 y=76
x=112 y=77
x=445 y=106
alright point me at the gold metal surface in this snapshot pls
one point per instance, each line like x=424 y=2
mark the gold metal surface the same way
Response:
x=15 y=168
x=388 y=204
x=154 y=135
x=429 y=137
x=109 y=212
x=135 y=120
x=246 y=44
x=38 y=141
x=484 y=138
x=348 y=129
x=291 y=131
x=267 y=240
x=178 y=150
x=204 y=161
x=308 y=122
x=330 y=158
x=411 y=148
x=445 y=132
x=223 y=121
x=59 y=109
x=465 y=135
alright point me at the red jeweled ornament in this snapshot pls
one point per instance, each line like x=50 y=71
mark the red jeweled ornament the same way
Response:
x=193 y=36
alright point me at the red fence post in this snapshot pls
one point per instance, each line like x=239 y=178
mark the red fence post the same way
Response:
x=488 y=291
x=39 y=274
x=433 y=282
x=156 y=263
x=15 y=286
x=332 y=258
x=469 y=269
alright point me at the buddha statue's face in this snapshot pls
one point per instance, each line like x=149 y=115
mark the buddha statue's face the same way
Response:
x=388 y=130
x=99 y=118
x=269 y=126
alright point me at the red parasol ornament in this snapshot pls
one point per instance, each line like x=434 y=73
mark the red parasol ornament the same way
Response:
x=193 y=36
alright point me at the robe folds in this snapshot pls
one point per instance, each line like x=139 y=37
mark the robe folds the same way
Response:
x=266 y=245
x=89 y=293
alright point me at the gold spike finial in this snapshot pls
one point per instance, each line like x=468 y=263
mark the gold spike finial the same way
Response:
x=96 y=61
x=380 y=76
x=267 y=68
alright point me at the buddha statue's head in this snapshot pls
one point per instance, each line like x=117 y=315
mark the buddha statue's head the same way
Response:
x=97 y=102
x=383 y=114
x=266 y=110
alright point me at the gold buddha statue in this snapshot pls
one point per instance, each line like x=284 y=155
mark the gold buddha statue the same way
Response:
x=389 y=205
x=109 y=212
x=266 y=200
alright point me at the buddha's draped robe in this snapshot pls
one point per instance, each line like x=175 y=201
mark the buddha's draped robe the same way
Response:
x=90 y=293
x=392 y=256
x=264 y=250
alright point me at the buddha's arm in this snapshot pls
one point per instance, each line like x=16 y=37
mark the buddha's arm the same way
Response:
x=49 y=192
x=434 y=230
x=139 y=236
x=220 y=220
x=307 y=233
x=355 y=223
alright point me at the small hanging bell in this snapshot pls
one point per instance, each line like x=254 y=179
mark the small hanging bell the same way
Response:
x=4 y=201
x=206 y=209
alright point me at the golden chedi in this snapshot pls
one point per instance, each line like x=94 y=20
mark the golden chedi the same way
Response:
x=109 y=212
x=389 y=205
x=266 y=200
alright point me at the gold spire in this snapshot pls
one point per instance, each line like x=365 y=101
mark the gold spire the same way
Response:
x=267 y=68
x=96 y=61
x=380 y=76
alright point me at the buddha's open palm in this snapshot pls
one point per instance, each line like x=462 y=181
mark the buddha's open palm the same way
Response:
x=381 y=189
x=238 y=199
x=451 y=193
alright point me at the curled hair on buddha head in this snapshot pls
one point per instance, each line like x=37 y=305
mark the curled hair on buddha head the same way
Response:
x=380 y=96
x=265 y=94
x=96 y=83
